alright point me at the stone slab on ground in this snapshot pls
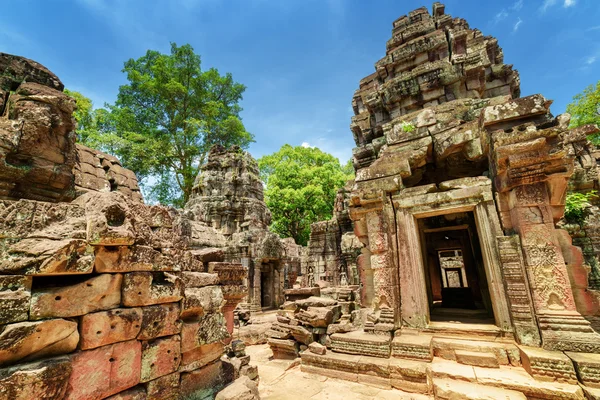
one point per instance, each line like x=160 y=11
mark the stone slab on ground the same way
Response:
x=449 y=389
x=277 y=383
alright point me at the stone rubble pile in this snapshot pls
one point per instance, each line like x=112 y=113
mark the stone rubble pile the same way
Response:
x=312 y=320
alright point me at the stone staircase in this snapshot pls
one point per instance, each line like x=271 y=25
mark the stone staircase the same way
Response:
x=452 y=368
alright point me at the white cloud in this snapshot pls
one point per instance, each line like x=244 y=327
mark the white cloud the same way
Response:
x=517 y=6
x=307 y=145
x=590 y=60
x=547 y=4
x=500 y=16
x=517 y=25
x=593 y=28
x=569 y=3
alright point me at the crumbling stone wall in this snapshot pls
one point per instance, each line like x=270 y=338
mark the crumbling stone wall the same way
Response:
x=228 y=198
x=100 y=297
x=333 y=248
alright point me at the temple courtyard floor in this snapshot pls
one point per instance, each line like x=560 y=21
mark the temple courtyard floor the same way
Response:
x=282 y=379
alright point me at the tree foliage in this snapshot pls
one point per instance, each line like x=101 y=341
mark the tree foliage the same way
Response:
x=585 y=109
x=577 y=205
x=301 y=185
x=91 y=123
x=168 y=116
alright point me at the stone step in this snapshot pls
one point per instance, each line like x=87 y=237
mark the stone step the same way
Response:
x=361 y=343
x=448 y=389
x=413 y=347
x=506 y=353
x=587 y=366
x=459 y=330
x=546 y=365
x=417 y=376
x=477 y=358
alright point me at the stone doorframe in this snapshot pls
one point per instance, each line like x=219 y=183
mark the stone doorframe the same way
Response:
x=461 y=195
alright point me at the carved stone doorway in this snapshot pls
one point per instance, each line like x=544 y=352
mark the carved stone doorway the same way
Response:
x=456 y=283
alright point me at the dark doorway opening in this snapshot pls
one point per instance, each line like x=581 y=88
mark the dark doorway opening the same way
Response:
x=457 y=286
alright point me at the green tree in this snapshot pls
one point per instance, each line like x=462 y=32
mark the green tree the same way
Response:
x=585 y=109
x=168 y=116
x=89 y=120
x=301 y=185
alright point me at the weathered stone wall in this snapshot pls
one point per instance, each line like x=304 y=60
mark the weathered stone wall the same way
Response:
x=333 y=248
x=101 y=172
x=106 y=284
x=100 y=297
x=37 y=133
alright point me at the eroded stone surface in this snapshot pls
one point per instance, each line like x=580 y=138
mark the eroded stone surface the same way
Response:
x=106 y=327
x=45 y=380
x=147 y=288
x=33 y=340
x=160 y=357
x=99 y=293
x=105 y=371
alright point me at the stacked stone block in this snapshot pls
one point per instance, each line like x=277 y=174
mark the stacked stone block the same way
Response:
x=100 y=297
x=312 y=320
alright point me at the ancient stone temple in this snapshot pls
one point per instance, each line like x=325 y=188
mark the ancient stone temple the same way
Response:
x=467 y=277
x=101 y=295
x=228 y=197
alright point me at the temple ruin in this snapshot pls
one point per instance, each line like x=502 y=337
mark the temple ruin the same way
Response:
x=448 y=269
x=466 y=269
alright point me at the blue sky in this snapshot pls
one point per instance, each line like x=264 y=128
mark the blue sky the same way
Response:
x=300 y=59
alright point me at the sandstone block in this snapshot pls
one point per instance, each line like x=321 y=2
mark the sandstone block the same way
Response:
x=148 y=288
x=242 y=388
x=409 y=375
x=200 y=356
x=301 y=334
x=207 y=329
x=548 y=365
x=164 y=388
x=109 y=219
x=105 y=371
x=251 y=371
x=314 y=301
x=107 y=327
x=451 y=389
x=588 y=368
x=15 y=294
x=42 y=256
x=41 y=380
x=317 y=348
x=102 y=292
x=283 y=349
x=198 y=279
x=132 y=259
x=202 y=383
x=160 y=320
x=33 y=340
x=200 y=301
x=478 y=359
x=319 y=317
x=137 y=393
x=160 y=357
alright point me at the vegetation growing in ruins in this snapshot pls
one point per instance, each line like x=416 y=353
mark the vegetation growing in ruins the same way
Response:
x=301 y=185
x=408 y=127
x=585 y=109
x=577 y=205
x=165 y=120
